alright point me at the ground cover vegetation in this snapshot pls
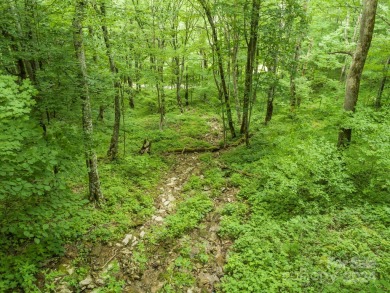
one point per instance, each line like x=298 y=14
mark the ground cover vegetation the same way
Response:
x=194 y=146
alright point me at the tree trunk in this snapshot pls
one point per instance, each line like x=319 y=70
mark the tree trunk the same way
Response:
x=131 y=92
x=186 y=88
x=26 y=67
x=358 y=61
x=235 y=76
x=270 y=104
x=112 y=152
x=378 y=100
x=95 y=193
x=178 y=82
x=251 y=55
x=346 y=40
x=203 y=65
x=159 y=64
x=101 y=113
x=220 y=67
x=161 y=97
x=137 y=67
x=294 y=67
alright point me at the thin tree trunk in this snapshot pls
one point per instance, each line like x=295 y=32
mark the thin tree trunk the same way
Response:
x=176 y=62
x=26 y=68
x=220 y=67
x=131 y=92
x=101 y=113
x=159 y=65
x=235 y=77
x=186 y=87
x=178 y=83
x=161 y=96
x=270 y=104
x=344 y=68
x=251 y=55
x=137 y=67
x=293 y=93
x=112 y=152
x=204 y=65
x=95 y=193
x=358 y=61
x=378 y=100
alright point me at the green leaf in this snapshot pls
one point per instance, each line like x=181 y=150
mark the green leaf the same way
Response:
x=27 y=234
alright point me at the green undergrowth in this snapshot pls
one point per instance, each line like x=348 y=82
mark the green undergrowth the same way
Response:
x=180 y=131
x=188 y=215
x=180 y=273
x=310 y=217
x=52 y=209
x=346 y=251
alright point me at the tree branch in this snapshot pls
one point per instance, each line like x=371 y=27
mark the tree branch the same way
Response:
x=342 y=52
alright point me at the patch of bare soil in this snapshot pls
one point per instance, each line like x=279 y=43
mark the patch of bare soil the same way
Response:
x=203 y=240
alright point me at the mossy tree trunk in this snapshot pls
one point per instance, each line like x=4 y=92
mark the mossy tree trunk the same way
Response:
x=95 y=193
x=112 y=152
x=356 y=69
x=250 y=61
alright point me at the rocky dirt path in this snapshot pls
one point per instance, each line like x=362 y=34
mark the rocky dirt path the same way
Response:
x=159 y=269
x=201 y=241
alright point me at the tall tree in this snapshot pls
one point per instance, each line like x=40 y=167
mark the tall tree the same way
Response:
x=221 y=70
x=95 y=193
x=251 y=56
x=378 y=100
x=177 y=63
x=301 y=33
x=112 y=152
x=357 y=65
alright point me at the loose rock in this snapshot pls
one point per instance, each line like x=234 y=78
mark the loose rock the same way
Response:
x=86 y=282
x=128 y=237
x=158 y=219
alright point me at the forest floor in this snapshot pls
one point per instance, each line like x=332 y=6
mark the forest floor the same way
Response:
x=282 y=215
x=165 y=253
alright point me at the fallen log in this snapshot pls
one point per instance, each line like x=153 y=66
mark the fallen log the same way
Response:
x=211 y=149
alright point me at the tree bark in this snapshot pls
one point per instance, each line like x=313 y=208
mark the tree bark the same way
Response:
x=178 y=82
x=251 y=55
x=220 y=67
x=112 y=152
x=357 y=65
x=25 y=65
x=131 y=92
x=95 y=193
x=378 y=100
x=100 y=116
x=235 y=75
x=294 y=68
x=186 y=88
x=159 y=65
x=270 y=104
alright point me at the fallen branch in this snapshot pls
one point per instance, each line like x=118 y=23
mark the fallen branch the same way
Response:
x=342 y=52
x=195 y=150
x=211 y=149
x=109 y=260
x=223 y=166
